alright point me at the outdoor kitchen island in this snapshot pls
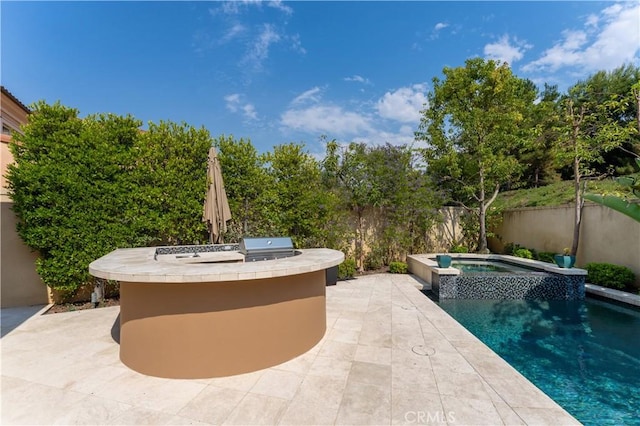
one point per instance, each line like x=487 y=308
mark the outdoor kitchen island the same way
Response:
x=213 y=314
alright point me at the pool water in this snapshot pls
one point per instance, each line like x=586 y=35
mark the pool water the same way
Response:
x=475 y=266
x=584 y=354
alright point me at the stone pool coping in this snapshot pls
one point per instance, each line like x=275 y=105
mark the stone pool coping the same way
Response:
x=421 y=261
x=610 y=293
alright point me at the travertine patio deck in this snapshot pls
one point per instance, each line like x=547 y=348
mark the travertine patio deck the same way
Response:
x=390 y=356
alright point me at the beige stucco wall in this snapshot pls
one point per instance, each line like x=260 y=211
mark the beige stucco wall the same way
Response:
x=6 y=158
x=20 y=285
x=606 y=235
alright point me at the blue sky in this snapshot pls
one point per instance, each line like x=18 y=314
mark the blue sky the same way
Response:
x=278 y=72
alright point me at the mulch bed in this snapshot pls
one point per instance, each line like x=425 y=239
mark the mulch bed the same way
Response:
x=79 y=306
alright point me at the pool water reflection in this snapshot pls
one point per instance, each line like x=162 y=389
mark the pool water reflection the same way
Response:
x=585 y=354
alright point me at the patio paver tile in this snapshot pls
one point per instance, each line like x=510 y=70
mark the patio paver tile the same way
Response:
x=373 y=354
x=373 y=374
x=278 y=383
x=212 y=405
x=464 y=411
x=330 y=367
x=316 y=403
x=365 y=404
x=241 y=382
x=257 y=409
x=415 y=378
x=338 y=350
x=152 y=393
x=411 y=406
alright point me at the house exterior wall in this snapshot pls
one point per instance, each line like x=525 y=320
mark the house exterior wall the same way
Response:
x=20 y=285
x=606 y=235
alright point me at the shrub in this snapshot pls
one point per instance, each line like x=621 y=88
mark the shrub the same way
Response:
x=458 y=249
x=398 y=268
x=609 y=275
x=373 y=260
x=546 y=256
x=509 y=248
x=523 y=252
x=347 y=269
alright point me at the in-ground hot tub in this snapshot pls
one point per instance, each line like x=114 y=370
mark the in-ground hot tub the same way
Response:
x=201 y=311
x=495 y=276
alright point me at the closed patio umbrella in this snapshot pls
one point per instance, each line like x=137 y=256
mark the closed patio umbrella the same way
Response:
x=216 y=206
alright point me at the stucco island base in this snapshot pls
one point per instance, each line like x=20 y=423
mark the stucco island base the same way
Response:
x=214 y=315
x=214 y=329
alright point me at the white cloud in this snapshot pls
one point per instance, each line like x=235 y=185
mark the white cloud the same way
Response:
x=404 y=136
x=278 y=4
x=404 y=104
x=259 y=49
x=235 y=104
x=358 y=79
x=250 y=112
x=326 y=119
x=296 y=44
x=592 y=21
x=503 y=50
x=233 y=32
x=440 y=26
x=235 y=7
x=607 y=41
x=436 y=30
x=308 y=96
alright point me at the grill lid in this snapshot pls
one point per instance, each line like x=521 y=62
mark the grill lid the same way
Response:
x=266 y=248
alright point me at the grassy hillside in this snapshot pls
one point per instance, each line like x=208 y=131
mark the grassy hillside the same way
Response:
x=555 y=194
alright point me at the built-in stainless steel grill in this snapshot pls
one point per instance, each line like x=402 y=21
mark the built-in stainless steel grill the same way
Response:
x=268 y=248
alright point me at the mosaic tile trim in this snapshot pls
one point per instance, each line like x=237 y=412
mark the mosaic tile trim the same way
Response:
x=204 y=248
x=544 y=286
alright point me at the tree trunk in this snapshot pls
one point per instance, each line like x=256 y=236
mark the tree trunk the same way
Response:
x=482 y=238
x=578 y=207
x=577 y=219
x=360 y=241
x=245 y=219
x=482 y=216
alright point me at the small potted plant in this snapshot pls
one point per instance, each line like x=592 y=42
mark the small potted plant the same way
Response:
x=565 y=260
x=444 y=260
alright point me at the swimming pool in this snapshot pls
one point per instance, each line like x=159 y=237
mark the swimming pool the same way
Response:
x=585 y=354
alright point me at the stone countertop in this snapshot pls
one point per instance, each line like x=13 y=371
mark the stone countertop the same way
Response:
x=140 y=265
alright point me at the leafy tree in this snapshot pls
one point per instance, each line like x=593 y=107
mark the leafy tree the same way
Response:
x=246 y=183
x=614 y=98
x=406 y=205
x=592 y=124
x=69 y=186
x=170 y=182
x=298 y=200
x=347 y=168
x=622 y=203
x=538 y=157
x=385 y=181
x=476 y=118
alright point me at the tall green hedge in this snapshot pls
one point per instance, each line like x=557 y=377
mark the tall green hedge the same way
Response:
x=82 y=187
